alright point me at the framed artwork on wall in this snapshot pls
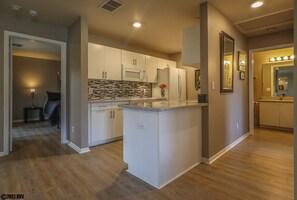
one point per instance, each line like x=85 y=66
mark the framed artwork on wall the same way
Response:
x=242 y=61
x=241 y=75
x=226 y=62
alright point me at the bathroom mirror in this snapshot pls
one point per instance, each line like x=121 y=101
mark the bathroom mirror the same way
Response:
x=277 y=80
x=227 y=60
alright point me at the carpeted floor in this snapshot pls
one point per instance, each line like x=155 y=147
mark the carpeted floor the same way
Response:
x=33 y=129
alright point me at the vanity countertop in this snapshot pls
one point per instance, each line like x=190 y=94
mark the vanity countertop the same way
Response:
x=277 y=100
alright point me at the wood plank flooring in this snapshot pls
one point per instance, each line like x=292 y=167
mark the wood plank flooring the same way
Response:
x=261 y=167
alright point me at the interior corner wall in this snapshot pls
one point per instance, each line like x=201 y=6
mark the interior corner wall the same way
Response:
x=78 y=82
x=295 y=102
x=224 y=110
x=25 y=26
x=270 y=40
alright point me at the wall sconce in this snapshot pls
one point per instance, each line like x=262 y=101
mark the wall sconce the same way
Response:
x=283 y=58
x=32 y=90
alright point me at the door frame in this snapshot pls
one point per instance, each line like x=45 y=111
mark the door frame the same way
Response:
x=251 y=79
x=8 y=90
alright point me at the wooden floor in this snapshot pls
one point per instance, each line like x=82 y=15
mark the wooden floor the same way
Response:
x=261 y=167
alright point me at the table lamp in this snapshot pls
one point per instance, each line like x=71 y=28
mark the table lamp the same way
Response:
x=32 y=95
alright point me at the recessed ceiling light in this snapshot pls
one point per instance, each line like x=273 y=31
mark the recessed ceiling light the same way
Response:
x=33 y=13
x=137 y=25
x=257 y=4
x=16 y=8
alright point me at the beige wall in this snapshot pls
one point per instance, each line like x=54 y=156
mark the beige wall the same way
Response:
x=224 y=110
x=78 y=82
x=192 y=94
x=32 y=73
x=269 y=40
x=261 y=59
x=22 y=25
x=121 y=45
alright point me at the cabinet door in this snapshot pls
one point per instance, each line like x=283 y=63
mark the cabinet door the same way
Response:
x=151 y=64
x=118 y=122
x=127 y=58
x=132 y=59
x=140 y=60
x=286 y=115
x=95 y=61
x=113 y=63
x=101 y=125
x=269 y=114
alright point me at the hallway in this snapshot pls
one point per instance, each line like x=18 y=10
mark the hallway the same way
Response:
x=260 y=167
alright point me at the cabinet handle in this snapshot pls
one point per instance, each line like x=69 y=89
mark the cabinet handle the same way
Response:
x=111 y=114
x=102 y=74
x=105 y=74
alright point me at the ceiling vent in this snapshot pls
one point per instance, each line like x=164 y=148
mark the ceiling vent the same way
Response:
x=110 y=5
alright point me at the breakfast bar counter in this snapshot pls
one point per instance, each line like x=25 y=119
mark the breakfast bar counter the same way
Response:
x=162 y=140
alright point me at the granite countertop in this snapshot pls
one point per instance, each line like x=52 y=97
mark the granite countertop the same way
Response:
x=122 y=99
x=277 y=100
x=159 y=106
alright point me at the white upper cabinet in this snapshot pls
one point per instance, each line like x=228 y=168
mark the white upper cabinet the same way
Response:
x=113 y=67
x=191 y=45
x=104 y=62
x=95 y=61
x=163 y=63
x=132 y=59
x=151 y=64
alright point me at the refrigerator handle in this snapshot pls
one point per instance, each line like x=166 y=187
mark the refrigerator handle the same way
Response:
x=179 y=87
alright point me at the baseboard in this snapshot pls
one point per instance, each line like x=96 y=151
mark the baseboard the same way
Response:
x=18 y=121
x=3 y=154
x=77 y=149
x=185 y=171
x=226 y=149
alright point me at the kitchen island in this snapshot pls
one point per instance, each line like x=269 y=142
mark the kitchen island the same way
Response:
x=162 y=140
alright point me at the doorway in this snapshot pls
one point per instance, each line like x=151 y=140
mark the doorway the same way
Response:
x=271 y=87
x=10 y=39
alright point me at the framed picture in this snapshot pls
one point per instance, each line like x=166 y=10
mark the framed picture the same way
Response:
x=197 y=79
x=242 y=61
x=226 y=62
x=241 y=75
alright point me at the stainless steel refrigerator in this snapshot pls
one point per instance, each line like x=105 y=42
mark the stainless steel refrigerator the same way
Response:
x=175 y=79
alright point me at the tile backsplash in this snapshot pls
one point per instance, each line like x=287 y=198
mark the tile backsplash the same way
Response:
x=107 y=88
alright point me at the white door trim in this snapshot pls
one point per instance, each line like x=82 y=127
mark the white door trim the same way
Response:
x=251 y=80
x=63 y=45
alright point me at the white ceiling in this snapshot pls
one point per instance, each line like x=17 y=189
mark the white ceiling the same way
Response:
x=162 y=20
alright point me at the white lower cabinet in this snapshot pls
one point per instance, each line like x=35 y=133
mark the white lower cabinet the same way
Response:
x=277 y=114
x=106 y=123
